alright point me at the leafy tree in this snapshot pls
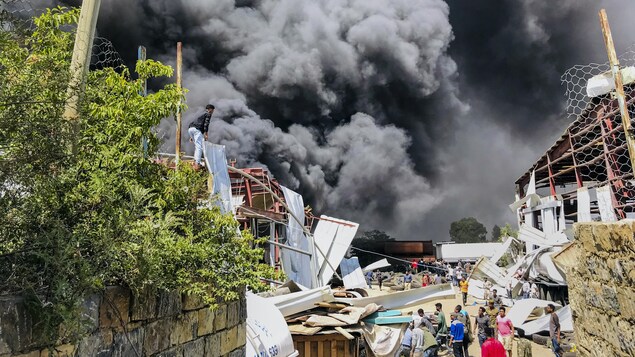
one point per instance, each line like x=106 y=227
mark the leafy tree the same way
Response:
x=372 y=241
x=80 y=206
x=507 y=231
x=468 y=230
x=496 y=233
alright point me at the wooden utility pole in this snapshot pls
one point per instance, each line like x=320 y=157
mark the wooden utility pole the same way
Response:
x=619 y=87
x=179 y=115
x=81 y=57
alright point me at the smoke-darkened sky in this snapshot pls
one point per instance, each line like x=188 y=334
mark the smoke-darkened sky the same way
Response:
x=401 y=115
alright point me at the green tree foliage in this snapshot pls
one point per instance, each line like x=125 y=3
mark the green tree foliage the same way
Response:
x=496 y=233
x=468 y=230
x=507 y=231
x=80 y=207
x=372 y=241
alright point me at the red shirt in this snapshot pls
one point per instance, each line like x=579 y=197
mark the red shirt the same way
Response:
x=493 y=348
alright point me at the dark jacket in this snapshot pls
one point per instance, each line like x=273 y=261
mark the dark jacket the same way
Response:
x=201 y=123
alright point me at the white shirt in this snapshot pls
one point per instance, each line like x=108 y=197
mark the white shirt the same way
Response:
x=487 y=285
x=526 y=287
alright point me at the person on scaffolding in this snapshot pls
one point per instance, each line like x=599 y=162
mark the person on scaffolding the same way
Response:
x=198 y=133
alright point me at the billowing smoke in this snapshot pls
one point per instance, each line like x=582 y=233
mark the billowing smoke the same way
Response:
x=356 y=103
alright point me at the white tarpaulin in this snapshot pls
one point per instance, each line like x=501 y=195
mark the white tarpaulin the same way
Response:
x=352 y=274
x=290 y=304
x=376 y=265
x=333 y=237
x=296 y=265
x=605 y=204
x=267 y=331
x=584 y=205
x=542 y=324
x=383 y=341
x=216 y=163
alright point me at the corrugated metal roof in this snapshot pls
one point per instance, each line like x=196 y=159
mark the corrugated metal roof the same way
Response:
x=466 y=251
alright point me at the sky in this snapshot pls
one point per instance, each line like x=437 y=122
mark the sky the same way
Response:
x=403 y=115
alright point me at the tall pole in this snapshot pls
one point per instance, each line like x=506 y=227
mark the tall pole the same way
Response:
x=141 y=56
x=179 y=85
x=81 y=57
x=619 y=87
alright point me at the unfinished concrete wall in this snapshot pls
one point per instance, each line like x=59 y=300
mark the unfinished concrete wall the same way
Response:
x=602 y=288
x=167 y=325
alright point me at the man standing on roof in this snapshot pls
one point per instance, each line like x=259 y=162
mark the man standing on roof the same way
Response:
x=554 y=330
x=198 y=133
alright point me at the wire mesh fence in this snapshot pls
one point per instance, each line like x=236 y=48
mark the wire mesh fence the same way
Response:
x=593 y=152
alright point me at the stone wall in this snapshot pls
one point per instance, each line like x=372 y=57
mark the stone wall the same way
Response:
x=602 y=288
x=166 y=325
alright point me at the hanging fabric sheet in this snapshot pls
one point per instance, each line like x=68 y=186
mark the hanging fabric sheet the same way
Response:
x=584 y=205
x=296 y=265
x=605 y=204
x=216 y=163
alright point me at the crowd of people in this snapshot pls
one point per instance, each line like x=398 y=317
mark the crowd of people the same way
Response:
x=494 y=331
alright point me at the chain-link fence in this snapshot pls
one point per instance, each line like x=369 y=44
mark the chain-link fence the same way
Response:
x=16 y=17
x=593 y=151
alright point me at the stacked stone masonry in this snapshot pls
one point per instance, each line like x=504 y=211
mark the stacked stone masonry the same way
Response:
x=602 y=288
x=121 y=325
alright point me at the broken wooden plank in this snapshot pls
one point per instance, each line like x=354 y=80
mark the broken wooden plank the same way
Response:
x=344 y=333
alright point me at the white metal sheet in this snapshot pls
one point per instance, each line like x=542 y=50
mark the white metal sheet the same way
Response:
x=376 y=265
x=333 y=236
x=401 y=299
x=542 y=323
x=352 y=274
x=290 y=304
x=524 y=308
x=267 y=332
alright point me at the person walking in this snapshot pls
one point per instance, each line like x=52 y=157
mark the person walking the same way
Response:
x=467 y=325
x=451 y=275
x=463 y=285
x=492 y=312
x=459 y=274
x=526 y=289
x=369 y=278
x=554 y=330
x=510 y=291
x=406 y=342
x=505 y=330
x=457 y=332
x=487 y=288
x=481 y=322
x=498 y=301
x=380 y=278
x=420 y=266
x=492 y=347
x=198 y=133
x=534 y=294
x=442 y=325
x=407 y=281
x=523 y=346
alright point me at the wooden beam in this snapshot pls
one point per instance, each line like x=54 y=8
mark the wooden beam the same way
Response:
x=619 y=87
